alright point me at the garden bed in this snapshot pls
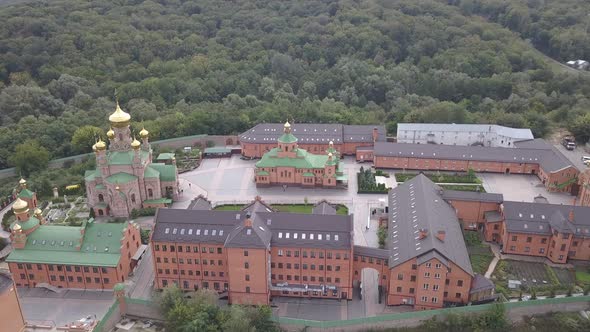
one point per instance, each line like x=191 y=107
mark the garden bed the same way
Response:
x=291 y=208
x=466 y=177
x=475 y=188
x=367 y=183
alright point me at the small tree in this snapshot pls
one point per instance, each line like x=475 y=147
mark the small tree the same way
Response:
x=533 y=293
x=552 y=292
x=586 y=289
x=570 y=290
x=520 y=296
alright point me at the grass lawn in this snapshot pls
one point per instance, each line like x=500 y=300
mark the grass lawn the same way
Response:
x=292 y=208
x=480 y=263
x=463 y=187
x=582 y=276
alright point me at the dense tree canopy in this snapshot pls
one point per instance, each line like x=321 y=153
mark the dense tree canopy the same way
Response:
x=185 y=67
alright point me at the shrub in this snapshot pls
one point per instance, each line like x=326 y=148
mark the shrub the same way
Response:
x=143 y=212
x=145 y=236
x=382 y=235
x=533 y=293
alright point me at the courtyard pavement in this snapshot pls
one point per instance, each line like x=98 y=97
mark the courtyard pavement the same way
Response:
x=41 y=306
x=521 y=188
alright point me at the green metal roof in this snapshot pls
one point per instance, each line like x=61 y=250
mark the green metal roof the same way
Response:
x=262 y=173
x=91 y=175
x=167 y=172
x=125 y=157
x=341 y=177
x=165 y=156
x=121 y=177
x=151 y=173
x=217 y=150
x=287 y=138
x=100 y=245
x=119 y=287
x=303 y=160
x=25 y=193
x=158 y=201
x=100 y=186
x=25 y=226
x=308 y=174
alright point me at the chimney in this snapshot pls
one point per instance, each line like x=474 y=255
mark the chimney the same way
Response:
x=248 y=221
x=571 y=215
x=423 y=233
x=375 y=134
x=441 y=235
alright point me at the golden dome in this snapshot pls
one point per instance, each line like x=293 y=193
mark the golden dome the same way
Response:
x=287 y=124
x=117 y=188
x=119 y=118
x=38 y=212
x=111 y=134
x=100 y=145
x=330 y=155
x=22 y=181
x=144 y=133
x=331 y=143
x=16 y=227
x=135 y=144
x=20 y=206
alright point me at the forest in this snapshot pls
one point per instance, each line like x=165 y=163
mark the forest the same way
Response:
x=183 y=67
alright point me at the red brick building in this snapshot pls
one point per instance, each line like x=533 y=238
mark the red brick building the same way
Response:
x=313 y=137
x=257 y=253
x=535 y=157
x=11 y=314
x=90 y=256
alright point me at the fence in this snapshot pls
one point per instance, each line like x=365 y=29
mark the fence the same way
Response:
x=417 y=316
x=177 y=142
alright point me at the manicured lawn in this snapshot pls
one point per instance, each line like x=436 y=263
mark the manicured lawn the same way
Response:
x=463 y=187
x=229 y=207
x=292 y=208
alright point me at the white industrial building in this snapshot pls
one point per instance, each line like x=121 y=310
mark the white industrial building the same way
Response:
x=461 y=134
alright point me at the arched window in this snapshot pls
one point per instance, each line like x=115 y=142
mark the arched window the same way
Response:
x=100 y=198
x=133 y=198
x=120 y=137
x=100 y=213
x=150 y=193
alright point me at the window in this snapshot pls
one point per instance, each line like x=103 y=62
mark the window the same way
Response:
x=527 y=249
x=529 y=239
x=544 y=240
x=245 y=252
x=400 y=276
x=414 y=266
x=79 y=279
x=428 y=265
x=246 y=265
x=247 y=289
x=460 y=283
x=434 y=300
x=458 y=295
x=541 y=250
x=280 y=253
x=97 y=280
x=399 y=289
x=434 y=287
x=562 y=247
x=514 y=237
x=412 y=278
x=512 y=248
x=437 y=276
x=424 y=299
x=106 y=280
x=53 y=278
x=426 y=274
x=437 y=265
x=247 y=277
x=425 y=286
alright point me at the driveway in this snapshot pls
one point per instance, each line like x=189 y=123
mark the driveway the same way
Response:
x=521 y=188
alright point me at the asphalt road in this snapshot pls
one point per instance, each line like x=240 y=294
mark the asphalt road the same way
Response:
x=140 y=285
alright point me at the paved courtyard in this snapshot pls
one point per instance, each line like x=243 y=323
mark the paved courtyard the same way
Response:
x=43 y=306
x=521 y=188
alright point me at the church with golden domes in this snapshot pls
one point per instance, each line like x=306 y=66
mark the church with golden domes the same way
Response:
x=125 y=177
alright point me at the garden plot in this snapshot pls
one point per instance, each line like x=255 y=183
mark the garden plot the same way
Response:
x=538 y=274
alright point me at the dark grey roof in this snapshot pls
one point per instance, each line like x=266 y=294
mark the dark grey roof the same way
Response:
x=276 y=228
x=178 y=225
x=309 y=230
x=250 y=233
x=363 y=133
x=371 y=252
x=492 y=216
x=5 y=281
x=430 y=255
x=472 y=196
x=414 y=205
x=323 y=207
x=258 y=206
x=560 y=223
x=535 y=218
x=537 y=143
x=550 y=159
x=481 y=283
x=312 y=133
x=199 y=203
